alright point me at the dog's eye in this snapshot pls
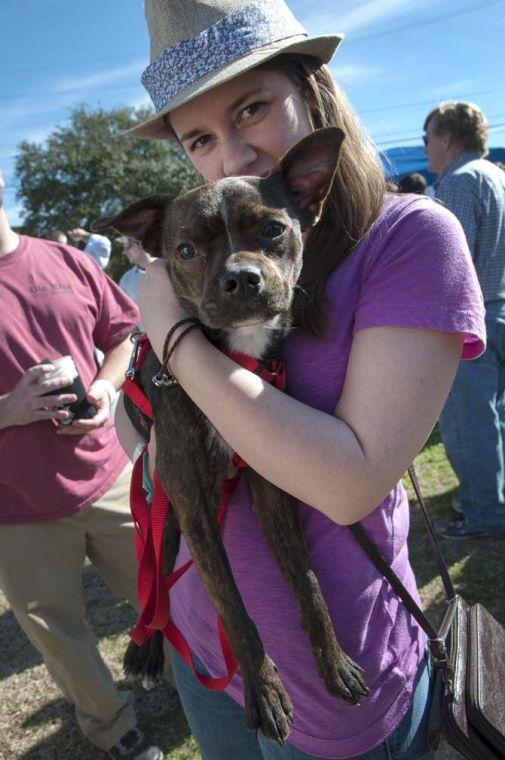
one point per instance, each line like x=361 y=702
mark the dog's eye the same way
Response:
x=186 y=251
x=273 y=230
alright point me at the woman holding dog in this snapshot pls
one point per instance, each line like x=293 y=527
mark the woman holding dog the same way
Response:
x=388 y=305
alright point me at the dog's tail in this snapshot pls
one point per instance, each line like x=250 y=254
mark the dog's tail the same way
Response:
x=145 y=662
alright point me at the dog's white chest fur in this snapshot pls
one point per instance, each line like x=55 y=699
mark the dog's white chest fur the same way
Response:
x=251 y=340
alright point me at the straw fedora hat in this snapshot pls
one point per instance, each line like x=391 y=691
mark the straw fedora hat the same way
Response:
x=199 y=44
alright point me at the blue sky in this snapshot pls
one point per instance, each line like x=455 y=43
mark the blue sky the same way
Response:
x=399 y=59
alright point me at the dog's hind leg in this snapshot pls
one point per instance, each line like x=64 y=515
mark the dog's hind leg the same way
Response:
x=145 y=662
x=279 y=522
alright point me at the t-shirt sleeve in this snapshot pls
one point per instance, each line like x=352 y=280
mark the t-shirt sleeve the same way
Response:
x=117 y=315
x=420 y=275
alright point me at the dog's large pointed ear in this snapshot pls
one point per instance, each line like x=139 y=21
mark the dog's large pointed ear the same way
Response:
x=142 y=221
x=308 y=170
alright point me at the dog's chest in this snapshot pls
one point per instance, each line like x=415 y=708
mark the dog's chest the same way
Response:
x=251 y=340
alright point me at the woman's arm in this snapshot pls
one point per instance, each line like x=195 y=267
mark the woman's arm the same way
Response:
x=344 y=465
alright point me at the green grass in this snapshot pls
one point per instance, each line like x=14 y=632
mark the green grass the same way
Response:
x=37 y=724
x=477 y=566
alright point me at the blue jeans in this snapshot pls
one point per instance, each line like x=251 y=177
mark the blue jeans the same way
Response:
x=218 y=724
x=472 y=426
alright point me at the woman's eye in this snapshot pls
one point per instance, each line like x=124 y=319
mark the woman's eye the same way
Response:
x=186 y=252
x=273 y=230
x=201 y=142
x=249 y=111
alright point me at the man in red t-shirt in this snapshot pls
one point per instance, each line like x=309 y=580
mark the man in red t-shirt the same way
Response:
x=64 y=490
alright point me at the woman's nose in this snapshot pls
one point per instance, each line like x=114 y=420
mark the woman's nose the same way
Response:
x=237 y=156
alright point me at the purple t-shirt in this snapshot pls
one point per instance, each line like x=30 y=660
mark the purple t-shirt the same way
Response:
x=413 y=270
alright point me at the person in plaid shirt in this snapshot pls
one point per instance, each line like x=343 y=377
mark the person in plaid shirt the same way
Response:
x=472 y=424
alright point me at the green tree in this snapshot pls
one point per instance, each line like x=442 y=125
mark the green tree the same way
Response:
x=88 y=166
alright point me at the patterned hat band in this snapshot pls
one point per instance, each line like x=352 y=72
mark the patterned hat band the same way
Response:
x=241 y=32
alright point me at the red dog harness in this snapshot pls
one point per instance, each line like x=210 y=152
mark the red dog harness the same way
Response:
x=149 y=520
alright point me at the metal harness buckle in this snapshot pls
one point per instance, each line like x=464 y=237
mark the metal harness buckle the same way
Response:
x=164 y=380
x=135 y=339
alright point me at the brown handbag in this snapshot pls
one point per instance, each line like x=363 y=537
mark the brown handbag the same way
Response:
x=468 y=655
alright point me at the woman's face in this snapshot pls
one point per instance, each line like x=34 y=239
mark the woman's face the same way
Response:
x=243 y=127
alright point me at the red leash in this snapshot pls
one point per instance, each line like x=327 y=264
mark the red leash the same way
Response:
x=152 y=586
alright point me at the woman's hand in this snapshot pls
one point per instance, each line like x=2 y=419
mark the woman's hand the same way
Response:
x=158 y=304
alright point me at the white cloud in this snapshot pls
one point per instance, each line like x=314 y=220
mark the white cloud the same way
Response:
x=362 y=16
x=141 y=101
x=38 y=135
x=451 y=89
x=131 y=70
x=16 y=116
x=354 y=73
x=20 y=112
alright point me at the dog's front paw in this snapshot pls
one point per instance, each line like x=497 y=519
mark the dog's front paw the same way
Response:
x=267 y=705
x=343 y=678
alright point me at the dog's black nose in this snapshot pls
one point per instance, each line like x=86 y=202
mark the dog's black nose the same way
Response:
x=241 y=281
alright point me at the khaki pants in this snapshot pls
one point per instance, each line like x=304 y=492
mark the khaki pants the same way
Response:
x=40 y=574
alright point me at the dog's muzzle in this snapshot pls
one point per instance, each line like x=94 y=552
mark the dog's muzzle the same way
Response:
x=246 y=281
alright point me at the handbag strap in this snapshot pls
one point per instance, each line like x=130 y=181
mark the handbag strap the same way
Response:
x=442 y=567
x=380 y=563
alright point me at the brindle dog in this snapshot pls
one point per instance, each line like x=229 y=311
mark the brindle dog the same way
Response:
x=233 y=250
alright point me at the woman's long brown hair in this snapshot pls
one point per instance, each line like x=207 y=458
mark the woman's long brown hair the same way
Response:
x=355 y=198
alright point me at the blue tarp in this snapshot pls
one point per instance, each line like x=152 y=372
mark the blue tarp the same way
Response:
x=404 y=160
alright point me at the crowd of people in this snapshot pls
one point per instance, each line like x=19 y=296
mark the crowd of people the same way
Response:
x=408 y=305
